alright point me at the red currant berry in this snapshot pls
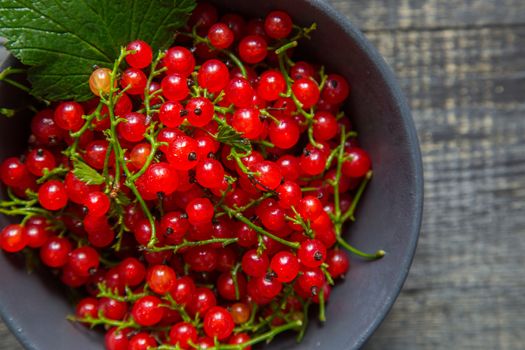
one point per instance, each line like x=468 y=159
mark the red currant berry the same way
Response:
x=201 y=259
x=284 y=133
x=55 y=252
x=171 y=114
x=240 y=92
x=336 y=89
x=147 y=311
x=268 y=286
x=338 y=263
x=285 y=265
x=200 y=111
x=142 y=341
x=247 y=122
x=306 y=91
x=52 y=195
x=271 y=85
x=77 y=190
x=226 y=286
x=218 y=323
x=182 y=334
x=83 y=261
x=97 y=203
x=40 y=159
x=141 y=55
x=325 y=126
x=358 y=164
x=311 y=280
x=175 y=87
x=45 y=129
x=302 y=69
x=132 y=271
x=253 y=264
x=213 y=75
x=312 y=253
x=13 y=238
x=68 y=116
x=183 y=290
x=278 y=25
x=183 y=153
x=179 y=60
x=199 y=210
x=267 y=175
x=313 y=160
x=95 y=155
x=37 y=231
x=240 y=339
x=161 y=279
x=220 y=36
x=133 y=127
x=134 y=81
x=253 y=49
x=209 y=173
x=139 y=154
x=87 y=307
x=117 y=339
x=112 y=308
x=14 y=173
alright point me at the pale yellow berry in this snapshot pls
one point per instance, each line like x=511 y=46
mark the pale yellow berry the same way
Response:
x=100 y=81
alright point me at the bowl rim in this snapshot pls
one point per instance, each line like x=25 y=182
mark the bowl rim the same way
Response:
x=401 y=105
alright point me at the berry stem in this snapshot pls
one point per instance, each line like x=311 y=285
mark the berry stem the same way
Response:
x=258 y=339
x=302 y=331
x=322 y=314
x=377 y=255
x=242 y=218
x=186 y=244
x=154 y=72
x=101 y=320
x=235 y=282
x=349 y=214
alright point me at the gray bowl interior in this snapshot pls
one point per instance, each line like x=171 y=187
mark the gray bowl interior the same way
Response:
x=388 y=217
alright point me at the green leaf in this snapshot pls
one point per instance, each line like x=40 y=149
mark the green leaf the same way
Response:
x=63 y=40
x=228 y=135
x=87 y=174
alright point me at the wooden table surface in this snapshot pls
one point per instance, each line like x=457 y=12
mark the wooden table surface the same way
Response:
x=461 y=64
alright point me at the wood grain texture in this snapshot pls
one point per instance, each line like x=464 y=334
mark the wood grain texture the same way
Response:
x=464 y=75
x=461 y=64
x=372 y=15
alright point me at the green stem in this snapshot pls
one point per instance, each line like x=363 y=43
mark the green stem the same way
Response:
x=377 y=255
x=187 y=244
x=340 y=155
x=286 y=47
x=153 y=74
x=306 y=307
x=322 y=314
x=350 y=212
x=268 y=335
x=242 y=218
x=235 y=282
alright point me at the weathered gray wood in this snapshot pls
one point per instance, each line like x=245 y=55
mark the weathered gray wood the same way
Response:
x=467 y=90
x=462 y=66
x=413 y=14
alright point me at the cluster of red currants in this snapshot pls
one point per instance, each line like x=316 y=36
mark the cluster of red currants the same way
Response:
x=199 y=199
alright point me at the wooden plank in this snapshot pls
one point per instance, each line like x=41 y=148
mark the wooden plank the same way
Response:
x=466 y=88
x=411 y=14
x=8 y=340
